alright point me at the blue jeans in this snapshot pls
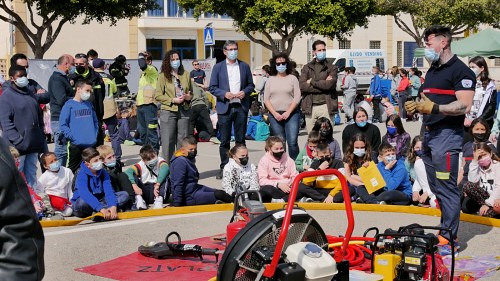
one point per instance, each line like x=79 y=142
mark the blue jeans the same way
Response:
x=60 y=148
x=147 y=124
x=234 y=117
x=288 y=130
x=82 y=210
x=27 y=165
x=441 y=148
x=114 y=135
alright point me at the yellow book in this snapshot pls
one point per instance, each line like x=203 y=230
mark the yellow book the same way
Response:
x=371 y=177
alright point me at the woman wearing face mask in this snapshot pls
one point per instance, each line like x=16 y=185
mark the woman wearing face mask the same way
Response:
x=397 y=136
x=173 y=91
x=483 y=188
x=485 y=96
x=421 y=192
x=281 y=97
x=22 y=121
x=479 y=132
x=238 y=173
x=370 y=131
x=357 y=155
x=276 y=172
x=325 y=129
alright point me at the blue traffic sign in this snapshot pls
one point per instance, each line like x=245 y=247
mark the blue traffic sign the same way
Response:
x=208 y=36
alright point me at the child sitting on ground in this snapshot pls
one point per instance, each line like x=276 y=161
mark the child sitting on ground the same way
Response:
x=307 y=154
x=422 y=194
x=253 y=124
x=398 y=186
x=56 y=182
x=184 y=179
x=324 y=188
x=397 y=136
x=41 y=202
x=357 y=155
x=483 y=187
x=239 y=173
x=325 y=129
x=119 y=180
x=149 y=179
x=276 y=172
x=93 y=190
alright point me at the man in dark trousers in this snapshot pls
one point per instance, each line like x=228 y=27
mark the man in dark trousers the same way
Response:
x=446 y=97
x=21 y=235
x=231 y=83
x=84 y=72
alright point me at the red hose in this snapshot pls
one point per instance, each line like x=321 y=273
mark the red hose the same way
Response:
x=355 y=254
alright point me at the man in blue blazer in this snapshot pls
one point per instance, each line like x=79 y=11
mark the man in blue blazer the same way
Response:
x=231 y=83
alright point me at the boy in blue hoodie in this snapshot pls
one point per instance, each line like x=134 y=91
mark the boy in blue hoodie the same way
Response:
x=398 y=189
x=93 y=190
x=78 y=123
x=184 y=179
x=253 y=123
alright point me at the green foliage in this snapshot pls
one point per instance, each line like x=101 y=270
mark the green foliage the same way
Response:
x=289 y=18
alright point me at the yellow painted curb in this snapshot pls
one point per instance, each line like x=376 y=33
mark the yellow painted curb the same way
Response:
x=274 y=206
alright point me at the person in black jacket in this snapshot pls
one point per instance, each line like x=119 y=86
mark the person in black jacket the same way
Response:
x=370 y=131
x=119 y=70
x=83 y=71
x=60 y=92
x=21 y=235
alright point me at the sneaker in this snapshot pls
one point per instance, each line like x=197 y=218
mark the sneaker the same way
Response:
x=158 y=204
x=67 y=212
x=139 y=203
x=215 y=140
x=382 y=203
x=280 y=200
x=129 y=143
x=306 y=200
x=219 y=175
x=445 y=250
x=219 y=202
x=55 y=217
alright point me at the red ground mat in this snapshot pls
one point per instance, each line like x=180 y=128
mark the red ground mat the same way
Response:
x=138 y=267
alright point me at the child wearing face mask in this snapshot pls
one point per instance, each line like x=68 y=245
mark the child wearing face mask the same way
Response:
x=479 y=132
x=483 y=188
x=324 y=188
x=398 y=189
x=149 y=178
x=421 y=191
x=93 y=190
x=397 y=136
x=78 y=123
x=308 y=153
x=119 y=180
x=357 y=155
x=276 y=172
x=325 y=129
x=56 y=181
x=239 y=173
x=186 y=191
x=370 y=131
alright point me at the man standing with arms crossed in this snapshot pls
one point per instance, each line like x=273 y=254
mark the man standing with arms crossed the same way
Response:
x=447 y=95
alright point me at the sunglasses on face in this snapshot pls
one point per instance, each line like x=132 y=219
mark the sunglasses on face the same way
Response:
x=195 y=64
x=79 y=56
x=280 y=63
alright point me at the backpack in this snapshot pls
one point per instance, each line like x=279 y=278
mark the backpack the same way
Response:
x=262 y=131
x=385 y=87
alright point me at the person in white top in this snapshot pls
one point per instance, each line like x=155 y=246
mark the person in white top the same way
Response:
x=56 y=182
x=421 y=192
x=239 y=174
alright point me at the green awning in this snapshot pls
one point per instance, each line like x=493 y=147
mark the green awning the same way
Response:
x=419 y=53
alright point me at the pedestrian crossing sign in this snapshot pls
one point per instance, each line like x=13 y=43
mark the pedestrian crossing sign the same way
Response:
x=208 y=35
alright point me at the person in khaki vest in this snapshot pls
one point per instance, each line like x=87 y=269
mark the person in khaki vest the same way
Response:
x=147 y=111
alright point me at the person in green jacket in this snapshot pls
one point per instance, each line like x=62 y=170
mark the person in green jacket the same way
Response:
x=307 y=154
x=147 y=111
x=173 y=92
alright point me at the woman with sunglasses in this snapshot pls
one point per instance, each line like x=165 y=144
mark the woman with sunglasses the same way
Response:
x=281 y=97
x=173 y=91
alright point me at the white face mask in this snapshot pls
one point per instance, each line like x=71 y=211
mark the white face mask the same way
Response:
x=85 y=96
x=476 y=71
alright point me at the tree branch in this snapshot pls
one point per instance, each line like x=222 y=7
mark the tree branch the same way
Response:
x=259 y=41
x=405 y=27
x=32 y=18
x=50 y=40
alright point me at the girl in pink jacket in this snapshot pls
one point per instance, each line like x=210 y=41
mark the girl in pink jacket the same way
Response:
x=276 y=172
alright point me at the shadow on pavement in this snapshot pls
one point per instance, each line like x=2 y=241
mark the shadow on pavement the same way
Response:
x=467 y=231
x=208 y=174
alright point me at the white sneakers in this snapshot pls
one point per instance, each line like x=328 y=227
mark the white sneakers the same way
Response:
x=280 y=200
x=140 y=204
x=306 y=200
x=67 y=212
x=158 y=204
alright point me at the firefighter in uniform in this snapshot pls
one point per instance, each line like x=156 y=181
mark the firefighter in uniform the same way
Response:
x=446 y=96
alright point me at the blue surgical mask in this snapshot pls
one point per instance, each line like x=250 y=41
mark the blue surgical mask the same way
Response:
x=96 y=166
x=361 y=124
x=281 y=68
x=431 y=55
x=390 y=158
x=321 y=55
x=85 y=96
x=360 y=152
x=22 y=82
x=54 y=167
x=111 y=164
x=175 y=64
x=391 y=130
x=232 y=55
x=152 y=163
